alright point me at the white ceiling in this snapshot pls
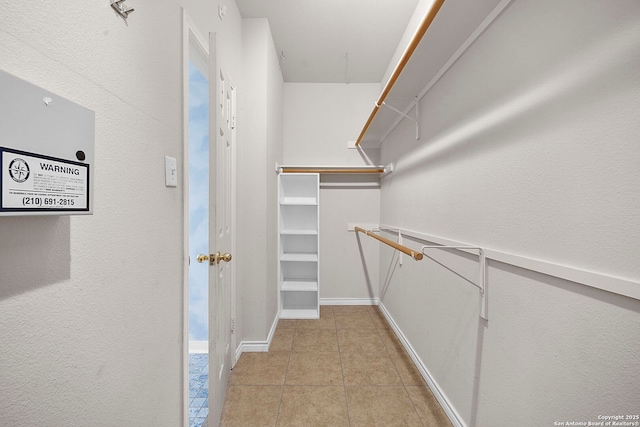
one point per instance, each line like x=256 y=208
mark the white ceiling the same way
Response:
x=333 y=41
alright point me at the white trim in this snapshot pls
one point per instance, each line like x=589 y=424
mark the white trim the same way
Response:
x=185 y=222
x=375 y=184
x=257 y=346
x=199 y=347
x=448 y=408
x=349 y=301
x=279 y=168
x=252 y=347
x=304 y=313
x=617 y=285
x=351 y=226
x=234 y=230
x=198 y=37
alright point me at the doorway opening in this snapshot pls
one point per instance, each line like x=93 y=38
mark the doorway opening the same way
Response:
x=198 y=243
x=197 y=215
x=198 y=209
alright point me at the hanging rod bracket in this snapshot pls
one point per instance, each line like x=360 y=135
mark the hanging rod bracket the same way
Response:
x=122 y=9
x=482 y=273
x=416 y=120
x=413 y=254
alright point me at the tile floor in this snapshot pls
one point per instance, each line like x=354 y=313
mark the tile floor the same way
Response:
x=198 y=389
x=345 y=369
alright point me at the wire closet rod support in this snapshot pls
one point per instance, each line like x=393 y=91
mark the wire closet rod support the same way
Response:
x=405 y=250
x=482 y=273
x=413 y=44
x=416 y=120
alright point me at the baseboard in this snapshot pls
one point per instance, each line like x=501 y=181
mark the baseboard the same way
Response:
x=448 y=408
x=452 y=414
x=263 y=346
x=349 y=301
x=257 y=346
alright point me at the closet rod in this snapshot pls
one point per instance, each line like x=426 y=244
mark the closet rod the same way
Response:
x=405 y=250
x=329 y=170
x=413 y=44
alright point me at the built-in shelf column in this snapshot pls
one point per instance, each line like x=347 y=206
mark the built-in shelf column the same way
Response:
x=298 y=195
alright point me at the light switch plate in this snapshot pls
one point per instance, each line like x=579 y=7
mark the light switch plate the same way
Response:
x=170 y=172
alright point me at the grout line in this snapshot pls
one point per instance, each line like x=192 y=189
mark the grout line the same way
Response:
x=199 y=368
x=344 y=386
x=398 y=371
x=381 y=326
x=286 y=372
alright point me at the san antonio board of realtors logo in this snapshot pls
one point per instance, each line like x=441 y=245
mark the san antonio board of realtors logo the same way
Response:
x=19 y=170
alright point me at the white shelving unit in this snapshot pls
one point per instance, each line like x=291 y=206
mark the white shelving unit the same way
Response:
x=298 y=248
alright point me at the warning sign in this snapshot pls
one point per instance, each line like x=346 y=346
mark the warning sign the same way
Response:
x=33 y=182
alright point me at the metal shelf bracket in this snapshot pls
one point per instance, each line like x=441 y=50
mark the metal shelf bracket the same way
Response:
x=482 y=273
x=122 y=9
x=416 y=120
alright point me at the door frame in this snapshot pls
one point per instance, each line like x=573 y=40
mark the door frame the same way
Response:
x=190 y=33
x=232 y=212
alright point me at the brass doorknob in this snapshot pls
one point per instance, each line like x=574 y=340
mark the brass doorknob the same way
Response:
x=214 y=259
x=222 y=257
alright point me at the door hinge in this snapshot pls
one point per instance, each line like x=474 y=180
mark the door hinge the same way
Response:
x=233 y=325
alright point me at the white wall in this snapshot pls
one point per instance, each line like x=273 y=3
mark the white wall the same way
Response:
x=319 y=119
x=261 y=130
x=422 y=8
x=275 y=144
x=93 y=330
x=91 y=306
x=529 y=146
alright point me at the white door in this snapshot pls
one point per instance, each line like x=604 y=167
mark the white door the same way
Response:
x=221 y=134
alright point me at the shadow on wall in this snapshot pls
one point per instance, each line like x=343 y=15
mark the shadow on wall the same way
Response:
x=584 y=290
x=393 y=263
x=536 y=106
x=365 y=268
x=34 y=252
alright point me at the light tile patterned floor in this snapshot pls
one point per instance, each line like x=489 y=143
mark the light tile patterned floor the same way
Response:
x=346 y=369
x=198 y=389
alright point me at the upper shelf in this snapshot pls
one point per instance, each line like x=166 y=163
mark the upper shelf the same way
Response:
x=446 y=31
x=333 y=170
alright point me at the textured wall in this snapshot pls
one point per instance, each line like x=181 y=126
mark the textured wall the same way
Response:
x=261 y=119
x=91 y=306
x=530 y=146
x=274 y=111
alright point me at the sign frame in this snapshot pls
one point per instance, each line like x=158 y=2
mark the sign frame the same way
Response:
x=42 y=208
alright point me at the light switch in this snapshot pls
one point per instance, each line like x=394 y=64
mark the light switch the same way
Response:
x=170 y=172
